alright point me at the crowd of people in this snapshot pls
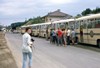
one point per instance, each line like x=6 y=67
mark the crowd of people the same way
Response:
x=63 y=37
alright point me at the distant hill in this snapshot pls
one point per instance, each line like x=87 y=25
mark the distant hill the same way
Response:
x=35 y=21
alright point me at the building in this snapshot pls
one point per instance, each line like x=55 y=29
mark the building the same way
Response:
x=55 y=16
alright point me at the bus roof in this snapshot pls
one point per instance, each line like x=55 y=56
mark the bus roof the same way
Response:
x=89 y=17
x=67 y=20
x=40 y=24
x=24 y=26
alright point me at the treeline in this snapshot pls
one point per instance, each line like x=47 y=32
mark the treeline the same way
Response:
x=17 y=24
x=89 y=11
x=27 y=22
x=37 y=20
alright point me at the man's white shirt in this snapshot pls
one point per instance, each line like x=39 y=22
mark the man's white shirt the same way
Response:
x=26 y=43
x=68 y=33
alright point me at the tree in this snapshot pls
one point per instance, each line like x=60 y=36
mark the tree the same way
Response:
x=97 y=10
x=89 y=11
x=86 y=12
x=37 y=20
x=17 y=24
x=78 y=15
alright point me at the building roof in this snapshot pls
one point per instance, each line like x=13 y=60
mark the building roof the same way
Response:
x=57 y=13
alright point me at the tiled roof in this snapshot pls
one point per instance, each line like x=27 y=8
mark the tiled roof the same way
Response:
x=58 y=13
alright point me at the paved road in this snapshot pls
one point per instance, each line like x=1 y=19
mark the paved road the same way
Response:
x=46 y=55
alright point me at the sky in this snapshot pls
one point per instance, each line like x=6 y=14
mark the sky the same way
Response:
x=20 y=10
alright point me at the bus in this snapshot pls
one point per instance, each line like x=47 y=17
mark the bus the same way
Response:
x=64 y=24
x=23 y=29
x=42 y=29
x=35 y=29
x=88 y=29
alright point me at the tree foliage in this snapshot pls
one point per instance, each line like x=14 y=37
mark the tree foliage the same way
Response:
x=17 y=24
x=37 y=20
x=27 y=22
x=86 y=12
x=89 y=11
x=78 y=15
x=97 y=10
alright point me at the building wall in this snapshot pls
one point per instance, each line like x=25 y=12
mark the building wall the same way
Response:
x=49 y=19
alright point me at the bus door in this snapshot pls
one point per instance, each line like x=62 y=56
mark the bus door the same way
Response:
x=81 y=33
x=66 y=25
x=84 y=32
x=47 y=32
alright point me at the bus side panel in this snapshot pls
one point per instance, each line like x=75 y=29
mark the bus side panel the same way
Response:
x=94 y=34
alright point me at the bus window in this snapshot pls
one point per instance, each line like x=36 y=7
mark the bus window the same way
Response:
x=84 y=24
x=66 y=25
x=70 y=25
x=77 y=24
x=58 y=25
x=33 y=27
x=62 y=25
x=53 y=26
x=89 y=24
x=73 y=24
x=92 y=23
x=97 y=23
x=44 y=26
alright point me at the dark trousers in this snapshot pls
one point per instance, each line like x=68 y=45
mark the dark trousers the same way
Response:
x=54 y=39
x=59 y=42
x=68 y=40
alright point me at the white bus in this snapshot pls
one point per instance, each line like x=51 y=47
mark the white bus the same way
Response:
x=35 y=29
x=64 y=24
x=42 y=29
x=88 y=29
x=23 y=29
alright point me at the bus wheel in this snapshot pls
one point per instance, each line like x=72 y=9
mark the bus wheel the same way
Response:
x=98 y=43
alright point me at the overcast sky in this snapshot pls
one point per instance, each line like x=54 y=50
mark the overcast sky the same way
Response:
x=18 y=10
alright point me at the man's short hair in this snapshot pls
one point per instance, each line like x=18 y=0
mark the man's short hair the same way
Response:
x=27 y=28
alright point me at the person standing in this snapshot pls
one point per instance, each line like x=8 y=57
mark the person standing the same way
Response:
x=59 y=33
x=54 y=36
x=47 y=33
x=73 y=35
x=64 y=37
x=68 y=36
x=26 y=48
x=51 y=39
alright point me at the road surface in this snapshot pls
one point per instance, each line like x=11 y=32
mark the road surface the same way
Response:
x=46 y=55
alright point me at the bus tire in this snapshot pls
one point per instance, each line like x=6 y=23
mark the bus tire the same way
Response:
x=98 y=43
